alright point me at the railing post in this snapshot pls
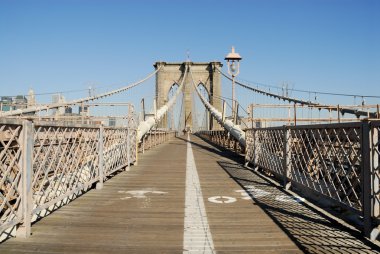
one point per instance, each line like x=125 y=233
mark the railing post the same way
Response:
x=338 y=112
x=136 y=147
x=375 y=168
x=255 y=150
x=224 y=110
x=128 y=149
x=143 y=144
x=366 y=174
x=26 y=179
x=99 y=184
x=236 y=112
x=286 y=159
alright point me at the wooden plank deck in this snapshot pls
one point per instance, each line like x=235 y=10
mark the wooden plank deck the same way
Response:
x=142 y=211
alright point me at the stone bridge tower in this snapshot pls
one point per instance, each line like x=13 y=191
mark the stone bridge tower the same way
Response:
x=203 y=73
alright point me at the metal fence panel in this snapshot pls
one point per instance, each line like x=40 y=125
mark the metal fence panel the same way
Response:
x=250 y=142
x=65 y=162
x=222 y=138
x=116 y=148
x=375 y=161
x=153 y=138
x=324 y=158
x=133 y=145
x=340 y=161
x=269 y=145
x=328 y=159
x=10 y=173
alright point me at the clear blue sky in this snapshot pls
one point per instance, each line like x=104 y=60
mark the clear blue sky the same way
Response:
x=328 y=45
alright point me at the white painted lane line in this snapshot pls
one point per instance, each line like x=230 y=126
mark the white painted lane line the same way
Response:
x=196 y=236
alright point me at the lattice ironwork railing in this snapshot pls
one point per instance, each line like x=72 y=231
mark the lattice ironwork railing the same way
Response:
x=339 y=161
x=43 y=165
x=222 y=138
x=250 y=137
x=133 y=145
x=11 y=143
x=118 y=151
x=270 y=149
x=328 y=159
x=65 y=161
x=154 y=138
x=324 y=158
x=375 y=164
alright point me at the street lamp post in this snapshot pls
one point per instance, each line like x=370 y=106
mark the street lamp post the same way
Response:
x=233 y=64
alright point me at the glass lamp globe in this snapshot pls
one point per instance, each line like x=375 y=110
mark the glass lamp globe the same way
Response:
x=233 y=67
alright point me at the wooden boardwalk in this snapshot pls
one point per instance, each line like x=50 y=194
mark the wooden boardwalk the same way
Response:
x=143 y=211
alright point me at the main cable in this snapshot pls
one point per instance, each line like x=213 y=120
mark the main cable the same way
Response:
x=75 y=102
x=302 y=102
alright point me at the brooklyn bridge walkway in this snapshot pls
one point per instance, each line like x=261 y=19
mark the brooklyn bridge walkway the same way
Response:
x=191 y=197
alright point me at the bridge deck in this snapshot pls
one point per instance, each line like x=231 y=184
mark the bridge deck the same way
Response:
x=143 y=211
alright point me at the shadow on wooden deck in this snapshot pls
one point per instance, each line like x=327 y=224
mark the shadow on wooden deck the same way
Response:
x=312 y=231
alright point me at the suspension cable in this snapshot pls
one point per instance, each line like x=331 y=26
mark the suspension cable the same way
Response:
x=302 y=102
x=76 y=102
x=310 y=91
x=233 y=129
x=146 y=125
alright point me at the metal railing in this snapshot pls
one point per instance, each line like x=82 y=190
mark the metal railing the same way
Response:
x=154 y=138
x=222 y=138
x=324 y=158
x=43 y=166
x=374 y=160
x=338 y=161
x=11 y=147
x=119 y=149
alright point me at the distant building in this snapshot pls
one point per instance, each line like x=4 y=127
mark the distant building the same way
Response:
x=58 y=98
x=112 y=122
x=68 y=110
x=261 y=124
x=20 y=102
x=6 y=103
x=83 y=110
x=31 y=98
